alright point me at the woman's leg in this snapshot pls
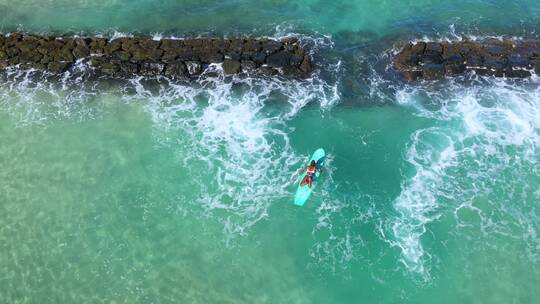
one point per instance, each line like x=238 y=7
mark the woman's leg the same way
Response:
x=304 y=181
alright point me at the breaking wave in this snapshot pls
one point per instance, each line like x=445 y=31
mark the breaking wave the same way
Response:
x=480 y=155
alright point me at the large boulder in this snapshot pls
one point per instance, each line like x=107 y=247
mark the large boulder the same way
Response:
x=279 y=60
x=127 y=56
x=231 y=67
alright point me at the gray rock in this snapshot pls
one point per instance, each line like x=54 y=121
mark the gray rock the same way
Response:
x=279 y=60
x=231 y=67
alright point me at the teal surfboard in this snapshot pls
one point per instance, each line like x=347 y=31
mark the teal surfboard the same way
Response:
x=303 y=192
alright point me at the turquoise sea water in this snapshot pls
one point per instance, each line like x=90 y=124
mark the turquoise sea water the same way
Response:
x=145 y=191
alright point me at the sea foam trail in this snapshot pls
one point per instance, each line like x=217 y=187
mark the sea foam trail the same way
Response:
x=233 y=146
x=485 y=137
x=230 y=133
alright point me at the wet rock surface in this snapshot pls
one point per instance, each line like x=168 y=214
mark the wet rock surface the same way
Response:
x=174 y=58
x=499 y=58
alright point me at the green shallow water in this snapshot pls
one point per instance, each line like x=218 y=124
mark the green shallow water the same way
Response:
x=127 y=193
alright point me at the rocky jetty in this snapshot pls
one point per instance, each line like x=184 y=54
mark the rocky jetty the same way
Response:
x=499 y=58
x=174 y=58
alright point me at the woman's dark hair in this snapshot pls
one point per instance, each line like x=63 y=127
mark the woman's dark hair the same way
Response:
x=313 y=163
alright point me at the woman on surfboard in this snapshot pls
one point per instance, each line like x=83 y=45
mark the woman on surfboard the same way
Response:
x=311 y=170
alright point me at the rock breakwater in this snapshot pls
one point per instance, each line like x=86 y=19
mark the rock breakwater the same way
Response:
x=499 y=58
x=174 y=58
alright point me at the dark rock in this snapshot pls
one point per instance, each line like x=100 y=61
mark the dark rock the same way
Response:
x=176 y=70
x=64 y=55
x=431 y=58
x=69 y=43
x=122 y=55
x=27 y=46
x=143 y=54
x=231 y=67
x=292 y=71
x=128 y=44
x=454 y=69
x=151 y=68
x=30 y=56
x=47 y=47
x=211 y=57
x=268 y=71
x=81 y=51
x=109 y=68
x=525 y=51
x=297 y=50
x=237 y=45
x=517 y=73
x=113 y=46
x=289 y=40
x=248 y=65
x=46 y=59
x=259 y=57
x=495 y=50
x=13 y=61
x=149 y=44
x=233 y=55
x=296 y=60
x=417 y=48
x=433 y=71
x=454 y=59
x=84 y=42
x=518 y=61
x=221 y=44
x=433 y=48
x=57 y=67
x=12 y=52
x=33 y=66
x=306 y=66
x=411 y=75
x=171 y=45
x=252 y=46
x=129 y=69
x=193 y=67
x=494 y=63
x=279 y=60
x=188 y=55
x=406 y=60
x=97 y=46
x=129 y=56
x=246 y=56
x=473 y=61
x=271 y=46
x=194 y=43
x=169 y=56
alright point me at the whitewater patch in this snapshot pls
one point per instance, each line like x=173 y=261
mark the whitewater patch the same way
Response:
x=235 y=144
x=230 y=133
x=483 y=147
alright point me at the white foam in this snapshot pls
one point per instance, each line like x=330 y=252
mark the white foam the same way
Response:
x=494 y=139
x=243 y=149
